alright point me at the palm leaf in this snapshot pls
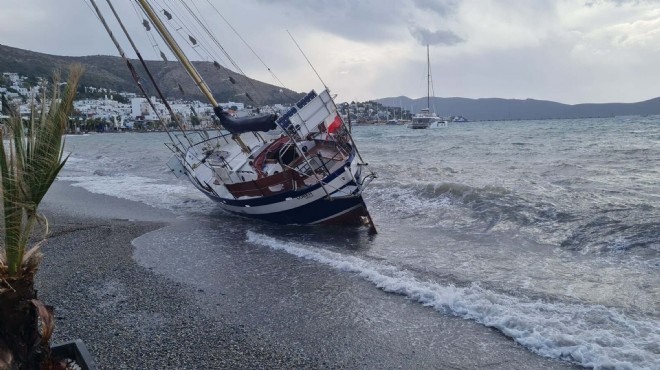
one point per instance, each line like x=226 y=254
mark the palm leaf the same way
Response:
x=28 y=167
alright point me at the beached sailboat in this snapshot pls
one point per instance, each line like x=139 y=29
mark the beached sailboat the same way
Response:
x=425 y=118
x=302 y=167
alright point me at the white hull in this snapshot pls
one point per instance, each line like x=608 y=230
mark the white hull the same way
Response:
x=439 y=124
x=326 y=181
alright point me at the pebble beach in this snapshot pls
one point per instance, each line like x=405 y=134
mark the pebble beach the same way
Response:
x=132 y=317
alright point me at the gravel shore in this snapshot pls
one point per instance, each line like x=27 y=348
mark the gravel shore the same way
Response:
x=131 y=318
x=251 y=308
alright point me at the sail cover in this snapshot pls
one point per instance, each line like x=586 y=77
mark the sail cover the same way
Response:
x=240 y=125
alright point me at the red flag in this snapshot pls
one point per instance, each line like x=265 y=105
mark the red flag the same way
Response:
x=334 y=125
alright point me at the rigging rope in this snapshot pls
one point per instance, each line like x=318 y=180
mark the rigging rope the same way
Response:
x=174 y=116
x=153 y=40
x=248 y=46
x=224 y=51
x=202 y=22
x=186 y=32
x=130 y=66
x=307 y=59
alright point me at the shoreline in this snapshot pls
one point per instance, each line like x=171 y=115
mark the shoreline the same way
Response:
x=128 y=316
x=131 y=316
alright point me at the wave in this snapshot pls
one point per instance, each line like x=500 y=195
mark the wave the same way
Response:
x=604 y=234
x=172 y=197
x=589 y=335
x=605 y=230
x=490 y=206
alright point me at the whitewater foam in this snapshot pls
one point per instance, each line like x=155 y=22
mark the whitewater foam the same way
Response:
x=590 y=335
x=149 y=191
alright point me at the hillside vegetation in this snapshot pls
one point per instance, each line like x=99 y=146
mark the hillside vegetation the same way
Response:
x=111 y=72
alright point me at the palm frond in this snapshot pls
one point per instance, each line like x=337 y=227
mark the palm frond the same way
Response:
x=28 y=167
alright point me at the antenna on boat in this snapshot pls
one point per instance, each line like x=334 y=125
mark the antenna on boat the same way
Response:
x=310 y=63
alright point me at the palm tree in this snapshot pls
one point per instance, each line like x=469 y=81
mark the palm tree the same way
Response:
x=30 y=159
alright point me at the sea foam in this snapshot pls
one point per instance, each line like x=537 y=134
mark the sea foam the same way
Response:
x=590 y=335
x=139 y=189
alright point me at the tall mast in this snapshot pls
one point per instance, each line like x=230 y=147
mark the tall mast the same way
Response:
x=177 y=51
x=428 y=78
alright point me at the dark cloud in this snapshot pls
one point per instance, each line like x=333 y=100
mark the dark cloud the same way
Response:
x=373 y=20
x=427 y=37
x=442 y=8
x=364 y=21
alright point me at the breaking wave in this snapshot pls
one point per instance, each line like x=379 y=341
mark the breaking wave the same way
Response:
x=589 y=335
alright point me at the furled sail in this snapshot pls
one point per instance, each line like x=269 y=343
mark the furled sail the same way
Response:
x=240 y=125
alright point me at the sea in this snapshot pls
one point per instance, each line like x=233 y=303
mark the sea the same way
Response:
x=547 y=231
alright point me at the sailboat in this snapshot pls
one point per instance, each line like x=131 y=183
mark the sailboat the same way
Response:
x=425 y=118
x=302 y=167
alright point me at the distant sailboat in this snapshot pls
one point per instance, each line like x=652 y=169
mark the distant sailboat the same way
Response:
x=425 y=118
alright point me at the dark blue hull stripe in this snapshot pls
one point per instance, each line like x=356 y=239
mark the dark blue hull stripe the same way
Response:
x=322 y=209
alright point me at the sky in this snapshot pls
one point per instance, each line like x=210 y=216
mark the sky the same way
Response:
x=569 y=51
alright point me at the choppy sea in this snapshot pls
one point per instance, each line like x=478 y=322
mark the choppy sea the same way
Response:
x=548 y=231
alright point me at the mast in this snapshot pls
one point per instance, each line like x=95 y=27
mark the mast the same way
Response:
x=185 y=62
x=428 y=78
x=177 y=51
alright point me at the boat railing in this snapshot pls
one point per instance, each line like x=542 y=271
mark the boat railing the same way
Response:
x=196 y=138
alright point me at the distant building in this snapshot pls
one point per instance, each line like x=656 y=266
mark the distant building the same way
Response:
x=141 y=109
x=229 y=105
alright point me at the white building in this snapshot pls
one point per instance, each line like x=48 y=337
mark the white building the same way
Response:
x=141 y=109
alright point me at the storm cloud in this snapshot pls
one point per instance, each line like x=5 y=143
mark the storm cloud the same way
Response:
x=428 y=37
x=569 y=51
x=442 y=8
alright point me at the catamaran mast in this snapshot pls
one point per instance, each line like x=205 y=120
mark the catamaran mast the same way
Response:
x=428 y=78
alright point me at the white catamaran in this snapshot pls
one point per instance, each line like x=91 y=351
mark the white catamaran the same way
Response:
x=302 y=167
x=425 y=118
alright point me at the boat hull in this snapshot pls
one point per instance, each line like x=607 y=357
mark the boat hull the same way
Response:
x=326 y=210
x=338 y=201
x=439 y=124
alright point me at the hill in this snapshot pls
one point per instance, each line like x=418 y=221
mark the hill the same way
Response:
x=111 y=72
x=517 y=109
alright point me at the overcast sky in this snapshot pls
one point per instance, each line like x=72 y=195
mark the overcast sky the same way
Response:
x=570 y=51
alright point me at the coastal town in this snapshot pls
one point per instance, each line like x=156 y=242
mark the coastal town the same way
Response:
x=100 y=109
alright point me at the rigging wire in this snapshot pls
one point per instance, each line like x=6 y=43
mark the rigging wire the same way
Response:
x=224 y=51
x=211 y=52
x=308 y=62
x=169 y=17
x=180 y=25
x=152 y=39
x=173 y=115
x=99 y=15
x=247 y=45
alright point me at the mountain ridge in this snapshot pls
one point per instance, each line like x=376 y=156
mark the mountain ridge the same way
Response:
x=111 y=72
x=484 y=109
x=104 y=71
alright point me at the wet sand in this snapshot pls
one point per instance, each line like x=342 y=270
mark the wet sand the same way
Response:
x=242 y=308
